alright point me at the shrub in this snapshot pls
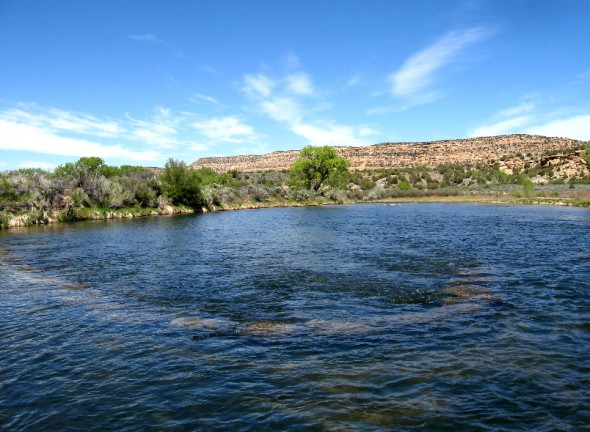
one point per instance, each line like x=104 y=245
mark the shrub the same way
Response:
x=367 y=184
x=303 y=195
x=376 y=193
x=337 y=195
x=404 y=186
x=586 y=154
x=181 y=184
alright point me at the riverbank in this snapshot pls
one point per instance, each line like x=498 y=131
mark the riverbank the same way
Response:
x=85 y=214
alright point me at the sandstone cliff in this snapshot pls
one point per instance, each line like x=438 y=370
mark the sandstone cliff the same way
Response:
x=403 y=155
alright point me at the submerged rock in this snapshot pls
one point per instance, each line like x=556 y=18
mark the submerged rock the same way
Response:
x=268 y=328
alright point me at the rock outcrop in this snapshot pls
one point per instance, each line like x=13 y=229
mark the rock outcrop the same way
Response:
x=410 y=154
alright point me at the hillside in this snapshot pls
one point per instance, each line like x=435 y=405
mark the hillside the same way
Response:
x=404 y=155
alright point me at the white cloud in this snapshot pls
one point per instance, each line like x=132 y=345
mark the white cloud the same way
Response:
x=28 y=137
x=150 y=38
x=527 y=117
x=62 y=121
x=332 y=134
x=198 y=96
x=299 y=84
x=354 y=80
x=34 y=164
x=160 y=131
x=281 y=108
x=417 y=74
x=501 y=127
x=29 y=127
x=576 y=127
x=208 y=69
x=227 y=129
x=258 y=85
x=259 y=149
x=523 y=108
x=199 y=147
x=282 y=100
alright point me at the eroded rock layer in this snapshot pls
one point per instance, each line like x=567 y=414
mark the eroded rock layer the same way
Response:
x=395 y=155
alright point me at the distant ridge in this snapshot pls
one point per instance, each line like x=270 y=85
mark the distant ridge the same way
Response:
x=405 y=154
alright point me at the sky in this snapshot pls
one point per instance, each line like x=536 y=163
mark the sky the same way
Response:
x=139 y=82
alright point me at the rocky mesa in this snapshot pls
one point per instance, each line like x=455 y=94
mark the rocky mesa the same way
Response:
x=405 y=154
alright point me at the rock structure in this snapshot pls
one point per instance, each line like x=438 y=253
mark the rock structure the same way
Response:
x=403 y=155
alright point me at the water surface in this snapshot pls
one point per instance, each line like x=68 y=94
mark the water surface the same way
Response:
x=363 y=317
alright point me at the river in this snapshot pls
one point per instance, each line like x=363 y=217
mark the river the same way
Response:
x=357 y=317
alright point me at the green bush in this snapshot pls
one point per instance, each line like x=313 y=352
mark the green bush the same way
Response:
x=181 y=184
x=404 y=186
x=586 y=154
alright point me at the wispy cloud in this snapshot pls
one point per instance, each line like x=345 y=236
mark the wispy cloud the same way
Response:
x=37 y=164
x=577 y=127
x=256 y=149
x=160 y=131
x=354 y=80
x=299 y=84
x=31 y=138
x=56 y=120
x=200 y=97
x=208 y=69
x=289 y=100
x=333 y=134
x=282 y=108
x=501 y=127
x=153 y=39
x=413 y=81
x=51 y=131
x=225 y=129
x=258 y=85
x=527 y=117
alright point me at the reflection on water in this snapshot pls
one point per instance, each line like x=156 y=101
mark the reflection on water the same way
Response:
x=367 y=317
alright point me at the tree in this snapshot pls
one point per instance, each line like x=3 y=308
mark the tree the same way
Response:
x=92 y=164
x=181 y=184
x=318 y=165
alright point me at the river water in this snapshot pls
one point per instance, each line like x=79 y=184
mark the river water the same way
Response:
x=361 y=317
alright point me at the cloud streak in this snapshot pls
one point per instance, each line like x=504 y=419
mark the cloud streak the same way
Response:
x=501 y=127
x=226 y=129
x=31 y=138
x=153 y=39
x=525 y=118
x=577 y=127
x=414 y=79
x=285 y=100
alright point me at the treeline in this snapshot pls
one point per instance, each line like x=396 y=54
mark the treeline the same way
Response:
x=90 y=188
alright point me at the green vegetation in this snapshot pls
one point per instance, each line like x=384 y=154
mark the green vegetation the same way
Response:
x=317 y=165
x=181 y=184
x=586 y=154
x=91 y=189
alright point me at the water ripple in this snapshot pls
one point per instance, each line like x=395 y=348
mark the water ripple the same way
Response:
x=430 y=317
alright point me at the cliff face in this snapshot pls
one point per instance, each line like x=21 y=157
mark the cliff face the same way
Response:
x=398 y=155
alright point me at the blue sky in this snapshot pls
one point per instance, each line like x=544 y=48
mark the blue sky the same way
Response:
x=138 y=82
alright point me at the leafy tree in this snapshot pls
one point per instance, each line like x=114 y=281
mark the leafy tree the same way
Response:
x=181 y=184
x=92 y=164
x=318 y=165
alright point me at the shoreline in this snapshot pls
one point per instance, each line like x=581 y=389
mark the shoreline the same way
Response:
x=57 y=217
